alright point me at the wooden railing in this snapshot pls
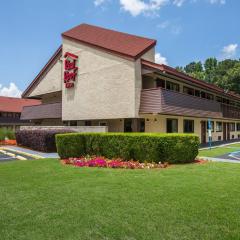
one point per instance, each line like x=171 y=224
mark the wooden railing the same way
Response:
x=230 y=111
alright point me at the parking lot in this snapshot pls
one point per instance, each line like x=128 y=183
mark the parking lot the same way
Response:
x=6 y=156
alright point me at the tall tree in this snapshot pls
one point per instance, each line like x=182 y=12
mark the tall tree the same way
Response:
x=193 y=67
x=210 y=66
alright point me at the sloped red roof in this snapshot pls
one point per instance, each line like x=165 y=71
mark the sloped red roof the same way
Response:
x=10 y=104
x=201 y=83
x=121 y=43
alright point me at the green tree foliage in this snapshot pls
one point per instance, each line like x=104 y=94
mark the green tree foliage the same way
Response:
x=225 y=74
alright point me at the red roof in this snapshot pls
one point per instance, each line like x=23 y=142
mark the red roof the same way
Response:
x=10 y=104
x=201 y=83
x=117 y=42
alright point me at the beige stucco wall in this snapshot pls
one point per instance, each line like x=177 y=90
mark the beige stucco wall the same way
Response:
x=114 y=125
x=149 y=55
x=105 y=87
x=157 y=123
x=51 y=82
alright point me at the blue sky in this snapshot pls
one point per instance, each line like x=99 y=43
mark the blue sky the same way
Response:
x=186 y=30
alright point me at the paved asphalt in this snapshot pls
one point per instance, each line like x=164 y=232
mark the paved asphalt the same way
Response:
x=6 y=158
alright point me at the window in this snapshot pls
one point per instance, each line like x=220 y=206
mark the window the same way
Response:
x=218 y=126
x=188 y=90
x=197 y=93
x=172 y=125
x=88 y=123
x=219 y=99
x=172 y=86
x=188 y=126
x=232 y=127
x=238 y=126
x=211 y=127
x=226 y=101
x=142 y=125
x=73 y=123
x=160 y=83
x=209 y=96
x=103 y=124
x=203 y=95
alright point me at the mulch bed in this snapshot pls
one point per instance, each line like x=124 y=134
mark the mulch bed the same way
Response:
x=8 y=142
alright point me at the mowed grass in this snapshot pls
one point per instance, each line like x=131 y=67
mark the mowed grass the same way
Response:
x=216 y=152
x=219 y=151
x=43 y=199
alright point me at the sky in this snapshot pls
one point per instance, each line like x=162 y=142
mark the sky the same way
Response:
x=185 y=30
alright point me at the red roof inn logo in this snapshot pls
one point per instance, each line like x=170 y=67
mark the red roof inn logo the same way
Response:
x=70 y=69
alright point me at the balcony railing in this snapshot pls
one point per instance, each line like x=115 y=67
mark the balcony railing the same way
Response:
x=158 y=100
x=230 y=111
x=44 y=111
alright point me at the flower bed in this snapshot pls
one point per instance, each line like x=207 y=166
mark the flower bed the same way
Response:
x=102 y=162
x=8 y=142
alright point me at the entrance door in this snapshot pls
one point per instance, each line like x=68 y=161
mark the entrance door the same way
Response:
x=128 y=125
x=203 y=131
x=224 y=131
x=228 y=131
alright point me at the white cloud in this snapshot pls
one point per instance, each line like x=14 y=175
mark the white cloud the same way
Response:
x=98 y=2
x=229 y=51
x=137 y=7
x=217 y=1
x=160 y=59
x=11 y=91
x=163 y=25
x=178 y=3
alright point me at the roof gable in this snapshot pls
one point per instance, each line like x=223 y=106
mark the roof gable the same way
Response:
x=44 y=70
x=117 y=42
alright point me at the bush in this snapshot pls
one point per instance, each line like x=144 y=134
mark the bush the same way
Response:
x=41 y=140
x=6 y=133
x=150 y=147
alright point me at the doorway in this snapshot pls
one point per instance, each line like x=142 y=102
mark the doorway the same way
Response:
x=203 y=131
x=226 y=131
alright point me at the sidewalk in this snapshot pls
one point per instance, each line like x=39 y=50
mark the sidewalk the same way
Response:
x=29 y=152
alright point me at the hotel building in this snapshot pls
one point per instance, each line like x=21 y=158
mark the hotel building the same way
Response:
x=101 y=77
x=10 y=111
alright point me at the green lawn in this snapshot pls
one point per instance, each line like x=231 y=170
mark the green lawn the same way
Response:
x=43 y=200
x=216 y=152
x=219 y=151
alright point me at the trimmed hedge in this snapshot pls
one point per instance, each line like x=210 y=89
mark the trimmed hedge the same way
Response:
x=41 y=140
x=150 y=147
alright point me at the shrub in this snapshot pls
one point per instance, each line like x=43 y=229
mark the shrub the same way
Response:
x=41 y=140
x=6 y=133
x=149 y=147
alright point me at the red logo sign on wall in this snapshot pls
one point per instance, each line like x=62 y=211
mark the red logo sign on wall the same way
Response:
x=70 y=69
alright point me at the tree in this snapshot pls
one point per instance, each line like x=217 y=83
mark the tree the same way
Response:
x=231 y=80
x=193 y=67
x=210 y=66
x=225 y=74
